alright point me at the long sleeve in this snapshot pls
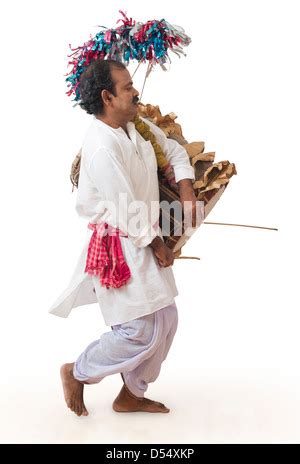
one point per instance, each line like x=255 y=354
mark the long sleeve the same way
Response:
x=110 y=176
x=175 y=154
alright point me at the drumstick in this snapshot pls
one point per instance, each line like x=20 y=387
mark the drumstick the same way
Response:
x=226 y=224
x=239 y=225
x=186 y=257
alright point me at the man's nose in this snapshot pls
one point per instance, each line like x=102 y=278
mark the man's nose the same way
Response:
x=136 y=93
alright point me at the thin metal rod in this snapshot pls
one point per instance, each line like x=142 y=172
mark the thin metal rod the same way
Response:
x=136 y=69
x=239 y=225
x=147 y=74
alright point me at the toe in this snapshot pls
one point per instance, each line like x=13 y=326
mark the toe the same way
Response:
x=84 y=410
x=72 y=405
x=78 y=409
x=162 y=407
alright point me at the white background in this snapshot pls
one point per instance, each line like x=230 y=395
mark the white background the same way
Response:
x=233 y=373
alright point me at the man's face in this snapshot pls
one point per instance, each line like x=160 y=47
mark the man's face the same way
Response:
x=124 y=104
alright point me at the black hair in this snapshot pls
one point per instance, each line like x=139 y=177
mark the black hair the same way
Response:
x=95 y=78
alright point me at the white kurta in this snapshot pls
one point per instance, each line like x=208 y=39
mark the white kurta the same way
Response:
x=111 y=164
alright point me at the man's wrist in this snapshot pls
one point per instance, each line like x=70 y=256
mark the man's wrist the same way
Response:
x=185 y=184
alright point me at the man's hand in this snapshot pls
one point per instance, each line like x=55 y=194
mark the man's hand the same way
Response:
x=187 y=194
x=164 y=254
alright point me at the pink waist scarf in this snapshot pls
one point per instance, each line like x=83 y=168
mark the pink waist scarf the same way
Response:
x=105 y=256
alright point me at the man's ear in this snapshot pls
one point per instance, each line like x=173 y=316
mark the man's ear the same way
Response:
x=106 y=97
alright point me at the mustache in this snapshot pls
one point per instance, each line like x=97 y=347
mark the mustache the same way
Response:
x=135 y=100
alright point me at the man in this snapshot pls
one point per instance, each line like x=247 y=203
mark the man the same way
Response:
x=116 y=161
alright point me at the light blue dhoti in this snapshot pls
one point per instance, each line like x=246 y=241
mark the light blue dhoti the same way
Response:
x=136 y=349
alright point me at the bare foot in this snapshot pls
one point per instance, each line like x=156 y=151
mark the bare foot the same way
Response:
x=73 y=390
x=127 y=402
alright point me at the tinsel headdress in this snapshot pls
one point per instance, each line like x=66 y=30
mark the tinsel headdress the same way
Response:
x=150 y=41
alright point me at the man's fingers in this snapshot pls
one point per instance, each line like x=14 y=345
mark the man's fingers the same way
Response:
x=165 y=263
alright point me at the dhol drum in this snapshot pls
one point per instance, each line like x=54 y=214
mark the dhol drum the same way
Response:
x=211 y=180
